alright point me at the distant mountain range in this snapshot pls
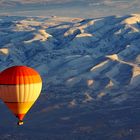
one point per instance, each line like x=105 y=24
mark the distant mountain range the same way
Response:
x=86 y=7
x=71 y=8
x=13 y=3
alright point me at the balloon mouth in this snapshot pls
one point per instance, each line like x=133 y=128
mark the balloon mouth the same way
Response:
x=20 y=122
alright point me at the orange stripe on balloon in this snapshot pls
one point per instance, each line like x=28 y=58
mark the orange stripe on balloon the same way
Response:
x=19 y=71
x=9 y=80
x=19 y=75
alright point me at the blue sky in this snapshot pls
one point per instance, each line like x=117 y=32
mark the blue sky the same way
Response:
x=73 y=8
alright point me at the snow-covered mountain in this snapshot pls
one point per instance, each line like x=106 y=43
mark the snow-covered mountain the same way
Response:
x=98 y=53
x=89 y=67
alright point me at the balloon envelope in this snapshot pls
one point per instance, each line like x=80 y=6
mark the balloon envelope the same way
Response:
x=20 y=86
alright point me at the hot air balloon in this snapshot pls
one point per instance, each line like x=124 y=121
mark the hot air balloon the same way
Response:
x=20 y=86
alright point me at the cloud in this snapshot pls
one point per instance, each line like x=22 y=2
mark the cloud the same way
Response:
x=117 y=4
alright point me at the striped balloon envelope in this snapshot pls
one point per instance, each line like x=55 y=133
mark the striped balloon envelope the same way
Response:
x=20 y=86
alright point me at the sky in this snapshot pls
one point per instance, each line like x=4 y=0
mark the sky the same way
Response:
x=72 y=8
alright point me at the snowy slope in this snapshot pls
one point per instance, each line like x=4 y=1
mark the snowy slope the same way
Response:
x=79 y=49
x=85 y=64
